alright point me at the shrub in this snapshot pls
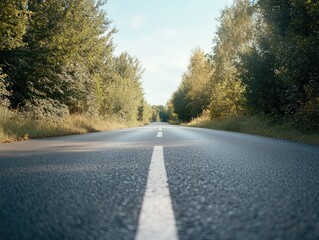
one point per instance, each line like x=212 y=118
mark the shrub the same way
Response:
x=46 y=109
x=307 y=116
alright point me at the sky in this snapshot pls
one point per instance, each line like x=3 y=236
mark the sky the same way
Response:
x=162 y=35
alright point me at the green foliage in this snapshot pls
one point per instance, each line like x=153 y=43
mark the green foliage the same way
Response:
x=72 y=45
x=227 y=99
x=13 y=23
x=285 y=61
x=181 y=103
x=258 y=72
x=198 y=77
x=16 y=125
x=233 y=38
x=265 y=61
x=159 y=113
x=56 y=58
x=163 y=113
x=259 y=125
x=155 y=115
x=172 y=116
x=124 y=93
x=193 y=94
x=14 y=19
x=145 y=112
x=213 y=82
x=307 y=115
x=46 y=110
x=4 y=93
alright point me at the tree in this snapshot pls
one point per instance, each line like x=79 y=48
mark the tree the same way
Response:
x=162 y=111
x=181 y=103
x=70 y=40
x=155 y=114
x=287 y=54
x=259 y=70
x=56 y=56
x=145 y=112
x=172 y=116
x=124 y=94
x=227 y=99
x=198 y=77
x=14 y=19
x=13 y=23
x=193 y=94
x=65 y=54
x=234 y=37
x=159 y=113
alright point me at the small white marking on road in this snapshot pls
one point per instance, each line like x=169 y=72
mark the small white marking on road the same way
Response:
x=160 y=128
x=157 y=220
x=159 y=134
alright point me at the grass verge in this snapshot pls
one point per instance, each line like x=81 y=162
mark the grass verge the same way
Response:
x=16 y=126
x=257 y=125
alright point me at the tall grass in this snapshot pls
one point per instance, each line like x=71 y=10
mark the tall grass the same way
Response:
x=19 y=126
x=258 y=125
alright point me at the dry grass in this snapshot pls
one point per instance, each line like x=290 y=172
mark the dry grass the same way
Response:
x=259 y=126
x=18 y=126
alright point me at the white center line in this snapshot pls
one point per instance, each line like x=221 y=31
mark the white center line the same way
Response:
x=159 y=134
x=157 y=220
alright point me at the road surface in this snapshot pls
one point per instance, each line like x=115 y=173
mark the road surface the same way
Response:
x=159 y=182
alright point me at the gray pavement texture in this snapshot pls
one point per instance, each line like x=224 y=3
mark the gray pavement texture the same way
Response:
x=223 y=185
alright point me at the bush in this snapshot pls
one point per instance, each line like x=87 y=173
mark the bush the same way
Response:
x=307 y=116
x=259 y=125
x=4 y=93
x=46 y=110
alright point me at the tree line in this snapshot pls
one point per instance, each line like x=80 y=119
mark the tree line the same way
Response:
x=264 y=61
x=57 y=58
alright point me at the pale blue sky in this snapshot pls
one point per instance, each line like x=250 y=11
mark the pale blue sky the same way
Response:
x=162 y=35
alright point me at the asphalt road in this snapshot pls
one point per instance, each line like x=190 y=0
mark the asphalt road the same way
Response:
x=222 y=185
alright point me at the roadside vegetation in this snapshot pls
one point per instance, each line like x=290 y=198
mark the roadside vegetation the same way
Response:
x=17 y=126
x=262 y=74
x=258 y=125
x=59 y=74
